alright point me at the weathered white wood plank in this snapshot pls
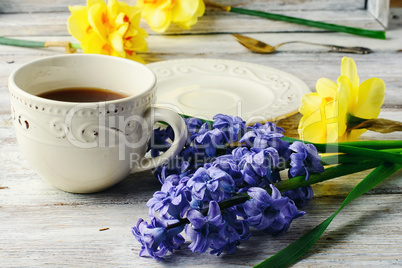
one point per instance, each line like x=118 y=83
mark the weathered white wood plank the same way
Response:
x=29 y=6
x=68 y=235
x=213 y=22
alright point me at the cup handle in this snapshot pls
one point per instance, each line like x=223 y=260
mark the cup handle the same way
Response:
x=153 y=115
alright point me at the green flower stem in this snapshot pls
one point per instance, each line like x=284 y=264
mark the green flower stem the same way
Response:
x=316 y=24
x=352 y=150
x=28 y=43
x=75 y=45
x=383 y=144
x=369 y=153
x=20 y=43
x=345 y=158
x=341 y=158
x=311 y=23
x=294 y=251
x=329 y=173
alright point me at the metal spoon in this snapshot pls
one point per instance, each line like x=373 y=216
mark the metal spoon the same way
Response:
x=261 y=47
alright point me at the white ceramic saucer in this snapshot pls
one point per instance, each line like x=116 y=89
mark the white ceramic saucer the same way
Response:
x=205 y=87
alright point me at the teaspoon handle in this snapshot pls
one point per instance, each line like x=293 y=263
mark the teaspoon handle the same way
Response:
x=357 y=50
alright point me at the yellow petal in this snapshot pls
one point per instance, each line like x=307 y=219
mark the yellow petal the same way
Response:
x=93 y=44
x=185 y=13
x=184 y=10
x=133 y=13
x=310 y=103
x=201 y=8
x=312 y=127
x=98 y=19
x=77 y=23
x=159 y=20
x=120 y=23
x=116 y=41
x=348 y=69
x=113 y=9
x=326 y=88
x=137 y=43
x=344 y=95
x=370 y=98
x=335 y=121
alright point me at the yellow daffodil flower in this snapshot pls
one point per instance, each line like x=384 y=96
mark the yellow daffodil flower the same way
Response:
x=160 y=13
x=330 y=113
x=111 y=29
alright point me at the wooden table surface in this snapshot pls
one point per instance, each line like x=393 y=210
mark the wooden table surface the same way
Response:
x=41 y=226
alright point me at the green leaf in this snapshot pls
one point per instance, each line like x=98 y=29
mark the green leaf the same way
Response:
x=311 y=23
x=294 y=251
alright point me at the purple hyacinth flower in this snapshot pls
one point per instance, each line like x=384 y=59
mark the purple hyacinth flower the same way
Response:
x=305 y=160
x=205 y=231
x=270 y=213
x=173 y=200
x=235 y=231
x=256 y=166
x=267 y=135
x=240 y=152
x=155 y=239
x=199 y=130
x=232 y=126
x=260 y=135
x=230 y=166
x=193 y=125
x=210 y=183
x=208 y=141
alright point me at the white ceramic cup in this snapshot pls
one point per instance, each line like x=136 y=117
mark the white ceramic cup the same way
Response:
x=88 y=147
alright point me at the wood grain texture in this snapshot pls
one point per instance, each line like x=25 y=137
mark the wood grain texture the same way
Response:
x=41 y=226
x=28 y=6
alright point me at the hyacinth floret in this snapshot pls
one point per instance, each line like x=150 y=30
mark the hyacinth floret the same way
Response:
x=304 y=160
x=234 y=231
x=270 y=213
x=211 y=183
x=173 y=200
x=233 y=126
x=265 y=136
x=156 y=239
x=205 y=231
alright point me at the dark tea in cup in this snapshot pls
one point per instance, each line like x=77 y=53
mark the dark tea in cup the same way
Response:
x=82 y=94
